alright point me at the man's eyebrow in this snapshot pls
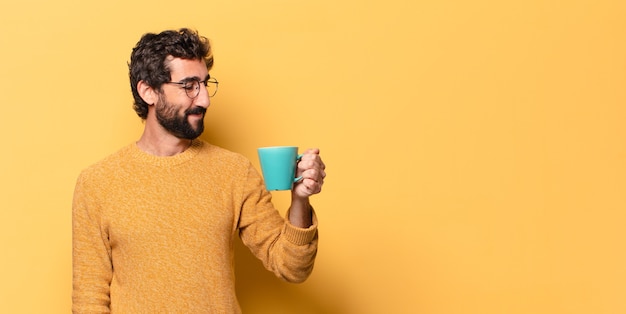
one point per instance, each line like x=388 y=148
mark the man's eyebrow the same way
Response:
x=195 y=78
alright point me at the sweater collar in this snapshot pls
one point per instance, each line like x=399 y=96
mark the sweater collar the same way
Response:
x=165 y=161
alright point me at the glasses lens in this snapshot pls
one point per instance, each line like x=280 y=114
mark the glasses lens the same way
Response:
x=192 y=88
x=211 y=86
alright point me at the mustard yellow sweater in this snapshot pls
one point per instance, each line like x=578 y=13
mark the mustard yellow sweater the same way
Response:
x=155 y=234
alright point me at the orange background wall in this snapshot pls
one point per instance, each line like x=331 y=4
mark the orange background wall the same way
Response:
x=476 y=150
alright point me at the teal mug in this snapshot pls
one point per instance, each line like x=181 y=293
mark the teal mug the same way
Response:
x=278 y=164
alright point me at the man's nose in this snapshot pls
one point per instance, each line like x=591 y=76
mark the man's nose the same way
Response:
x=203 y=99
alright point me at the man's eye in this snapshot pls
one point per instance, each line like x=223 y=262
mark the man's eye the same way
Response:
x=190 y=86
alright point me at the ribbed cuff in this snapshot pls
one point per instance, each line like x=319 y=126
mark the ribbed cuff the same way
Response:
x=300 y=236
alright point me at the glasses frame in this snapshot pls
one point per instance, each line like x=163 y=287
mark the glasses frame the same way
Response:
x=189 y=90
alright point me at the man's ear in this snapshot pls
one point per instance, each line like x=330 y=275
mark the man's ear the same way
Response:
x=147 y=93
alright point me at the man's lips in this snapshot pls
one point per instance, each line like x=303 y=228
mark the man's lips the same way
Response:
x=196 y=111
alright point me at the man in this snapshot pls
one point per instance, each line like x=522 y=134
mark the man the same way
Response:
x=154 y=223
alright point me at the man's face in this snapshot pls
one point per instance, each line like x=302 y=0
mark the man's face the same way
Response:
x=177 y=113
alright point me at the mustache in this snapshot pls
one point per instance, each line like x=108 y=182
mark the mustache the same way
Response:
x=195 y=110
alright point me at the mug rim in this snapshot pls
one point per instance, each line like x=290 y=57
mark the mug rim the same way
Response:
x=275 y=147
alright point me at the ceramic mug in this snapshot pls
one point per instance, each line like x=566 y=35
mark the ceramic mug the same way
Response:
x=278 y=164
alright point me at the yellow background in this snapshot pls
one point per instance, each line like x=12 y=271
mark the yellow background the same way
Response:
x=476 y=150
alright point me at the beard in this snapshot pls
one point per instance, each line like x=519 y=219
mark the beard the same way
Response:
x=179 y=126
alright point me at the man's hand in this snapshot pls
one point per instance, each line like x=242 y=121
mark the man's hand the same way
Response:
x=312 y=170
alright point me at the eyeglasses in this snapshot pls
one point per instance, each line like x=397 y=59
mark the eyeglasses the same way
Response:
x=192 y=86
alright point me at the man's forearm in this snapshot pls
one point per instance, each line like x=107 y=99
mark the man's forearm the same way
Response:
x=300 y=212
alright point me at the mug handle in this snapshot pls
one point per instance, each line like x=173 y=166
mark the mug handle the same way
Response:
x=298 y=179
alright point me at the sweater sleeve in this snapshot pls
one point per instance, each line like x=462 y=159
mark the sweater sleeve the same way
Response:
x=286 y=250
x=92 y=267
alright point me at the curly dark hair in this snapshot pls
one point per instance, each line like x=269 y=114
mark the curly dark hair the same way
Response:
x=148 y=61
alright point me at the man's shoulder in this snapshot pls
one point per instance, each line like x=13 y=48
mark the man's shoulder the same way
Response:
x=221 y=152
x=223 y=157
x=108 y=163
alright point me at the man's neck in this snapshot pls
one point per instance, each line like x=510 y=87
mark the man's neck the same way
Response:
x=164 y=145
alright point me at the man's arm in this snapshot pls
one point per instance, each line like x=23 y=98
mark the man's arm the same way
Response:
x=91 y=263
x=286 y=246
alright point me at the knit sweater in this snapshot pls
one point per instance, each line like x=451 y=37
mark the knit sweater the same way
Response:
x=156 y=234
